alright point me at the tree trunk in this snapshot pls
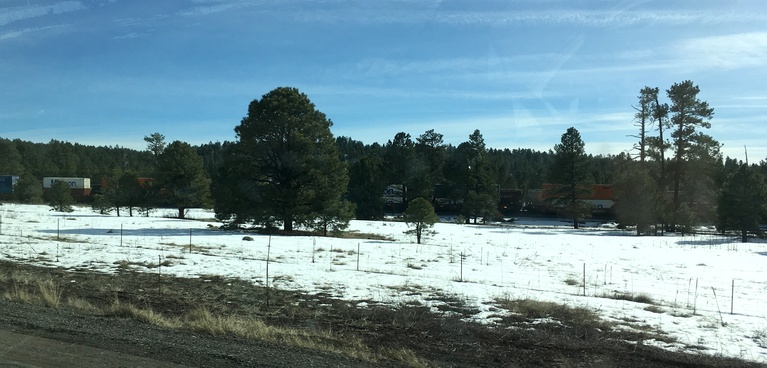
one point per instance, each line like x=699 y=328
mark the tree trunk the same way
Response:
x=181 y=212
x=744 y=236
x=680 y=152
x=576 y=225
x=418 y=228
x=662 y=185
x=642 y=136
x=288 y=225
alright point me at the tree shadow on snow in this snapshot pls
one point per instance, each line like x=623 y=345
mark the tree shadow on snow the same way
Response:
x=711 y=241
x=141 y=232
x=562 y=230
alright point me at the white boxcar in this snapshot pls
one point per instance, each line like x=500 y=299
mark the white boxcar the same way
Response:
x=74 y=183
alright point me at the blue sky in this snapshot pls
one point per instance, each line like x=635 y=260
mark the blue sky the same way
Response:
x=109 y=72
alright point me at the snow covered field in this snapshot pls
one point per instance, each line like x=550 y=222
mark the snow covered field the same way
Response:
x=709 y=293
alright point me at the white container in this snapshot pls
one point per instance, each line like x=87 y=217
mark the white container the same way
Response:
x=74 y=183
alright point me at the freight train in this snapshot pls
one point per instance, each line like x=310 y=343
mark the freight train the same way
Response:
x=511 y=200
x=80 y=187
x=600 y=197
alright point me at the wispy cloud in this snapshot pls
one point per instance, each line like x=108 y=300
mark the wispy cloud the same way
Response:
x=212 y=7
x=14 y=14
x=20 y=32
x=758 y=98
x=735 y=51
x=626 y=13
x=423 y=93
x=513 y=17
x=131 y=35
x=461 y=69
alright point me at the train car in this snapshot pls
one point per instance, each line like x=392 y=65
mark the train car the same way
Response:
x=7 y=182
x=80 y=187
x=106 y=183
x=446 y=201
x=511 y=200
x=600 y=197
x=393 y=197
x=74 y=183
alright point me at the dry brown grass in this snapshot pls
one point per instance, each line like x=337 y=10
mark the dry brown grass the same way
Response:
x=50 y=292
x=638 y=298
x=366 y=236
x=120 y=309
x=406 y=357
x=31 y=288
x=535 y=309
x=202 y=320
x=654 y=309
x=83 y=306
x=20 y=295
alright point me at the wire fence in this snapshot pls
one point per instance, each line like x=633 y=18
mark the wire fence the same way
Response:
x=502 y=265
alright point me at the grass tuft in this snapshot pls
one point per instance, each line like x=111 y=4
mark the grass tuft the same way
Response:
x=534 y=309
x=654 y=309
x=145 y=315
x=760 y=338
x=19 y=294
x=572 y=282
x=46 y=292
x=83 y=305
x=50 y=293
x=638 y=298
x=366 y=236
x=406 y=357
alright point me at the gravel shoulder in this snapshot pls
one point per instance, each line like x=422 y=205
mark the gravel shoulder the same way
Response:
x=21 y=350
x=35 y=336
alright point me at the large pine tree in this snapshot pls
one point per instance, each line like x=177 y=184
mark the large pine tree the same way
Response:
x=285 y=166
x=694 y=151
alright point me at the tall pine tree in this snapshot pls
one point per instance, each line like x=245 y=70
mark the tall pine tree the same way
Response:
x=285 y=166
x=570 y=174
x=693 y=150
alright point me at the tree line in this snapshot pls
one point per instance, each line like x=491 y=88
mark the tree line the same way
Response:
x=286 y=168
x=677 y=177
